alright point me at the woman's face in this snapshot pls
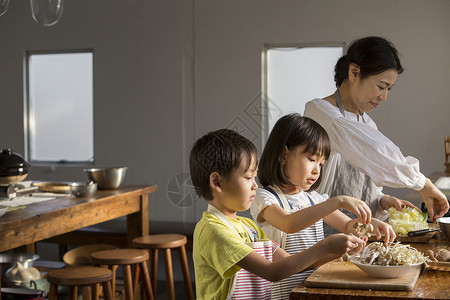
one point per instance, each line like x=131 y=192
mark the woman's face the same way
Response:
x=367 y=93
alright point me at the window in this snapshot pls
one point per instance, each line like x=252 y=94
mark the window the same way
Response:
x=294 y=75
x=59 y=107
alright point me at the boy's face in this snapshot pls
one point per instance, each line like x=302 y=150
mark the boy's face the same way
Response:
x=238 y=190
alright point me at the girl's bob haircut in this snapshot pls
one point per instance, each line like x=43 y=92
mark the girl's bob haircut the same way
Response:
x=291 y=131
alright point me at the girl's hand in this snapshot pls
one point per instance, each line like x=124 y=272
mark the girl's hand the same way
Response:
x=387 y=202
x=360 y=208
x=382 y=227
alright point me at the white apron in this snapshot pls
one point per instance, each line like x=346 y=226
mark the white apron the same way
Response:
x=247 y=285
x=294 y=243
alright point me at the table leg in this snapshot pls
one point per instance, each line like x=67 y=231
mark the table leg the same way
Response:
x=138 y=223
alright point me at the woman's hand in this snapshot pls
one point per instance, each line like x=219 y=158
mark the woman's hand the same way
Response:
x=387 y=202
x=358 y=207
x=435 y=200
x=382 y=227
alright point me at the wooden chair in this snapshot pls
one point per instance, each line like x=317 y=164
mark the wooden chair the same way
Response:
x=166 y=242
x=84 y=276
x=447 y=155
x=127 y=258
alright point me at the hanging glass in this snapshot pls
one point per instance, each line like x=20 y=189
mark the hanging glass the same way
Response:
x=3 y=6
x=47 y=12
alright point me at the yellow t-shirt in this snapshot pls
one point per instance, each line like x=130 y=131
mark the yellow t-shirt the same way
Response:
x=216 y=250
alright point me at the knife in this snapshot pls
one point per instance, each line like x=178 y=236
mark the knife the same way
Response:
x=421 y=232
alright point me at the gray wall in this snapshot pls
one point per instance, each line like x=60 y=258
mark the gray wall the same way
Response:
x=166 y=72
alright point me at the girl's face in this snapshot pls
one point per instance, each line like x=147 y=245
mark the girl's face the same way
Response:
x=302 y=169
x=370 y=91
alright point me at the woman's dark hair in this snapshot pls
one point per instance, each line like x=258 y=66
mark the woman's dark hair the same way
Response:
x=372 y=54
x=220 y=151
x=291 y=131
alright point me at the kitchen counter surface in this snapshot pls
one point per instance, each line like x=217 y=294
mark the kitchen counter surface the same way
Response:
x=431 y=284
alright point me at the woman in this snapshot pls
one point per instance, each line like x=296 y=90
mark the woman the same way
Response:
x=362 y=158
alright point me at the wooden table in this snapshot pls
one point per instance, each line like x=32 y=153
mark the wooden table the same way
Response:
x=50 y=218
x=431 y=284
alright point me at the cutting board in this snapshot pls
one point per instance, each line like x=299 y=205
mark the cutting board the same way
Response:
x=407 y=239
x=339 y=274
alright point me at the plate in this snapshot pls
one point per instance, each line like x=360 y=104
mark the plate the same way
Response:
x=439 y=266
x=52 y=187
x=386 y=271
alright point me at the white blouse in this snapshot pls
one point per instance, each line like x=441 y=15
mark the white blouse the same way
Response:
x=365 y=148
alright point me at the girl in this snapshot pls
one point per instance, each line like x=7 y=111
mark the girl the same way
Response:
x=288 y=209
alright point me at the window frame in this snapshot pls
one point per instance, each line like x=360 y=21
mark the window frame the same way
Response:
x=27 y=111
x=264 y=77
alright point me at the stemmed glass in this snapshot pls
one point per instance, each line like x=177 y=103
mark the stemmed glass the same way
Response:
x=3 y=6
x=47 y=12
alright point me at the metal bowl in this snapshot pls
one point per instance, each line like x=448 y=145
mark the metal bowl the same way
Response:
x=107 y=178
x=83 y=189
x=444 y=224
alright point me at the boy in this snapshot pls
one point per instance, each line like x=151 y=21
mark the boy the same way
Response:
x=232 y=255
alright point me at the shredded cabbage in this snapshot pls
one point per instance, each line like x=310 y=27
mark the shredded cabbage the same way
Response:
x=395 y=254
x=406 y=220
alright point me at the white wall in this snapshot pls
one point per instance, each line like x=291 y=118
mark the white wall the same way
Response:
x=166 y=72
x=230 y=35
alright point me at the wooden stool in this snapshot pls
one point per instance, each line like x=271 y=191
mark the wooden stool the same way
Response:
x=126 y=258
x=84 y=276
x=82 y=255
x=154 y=242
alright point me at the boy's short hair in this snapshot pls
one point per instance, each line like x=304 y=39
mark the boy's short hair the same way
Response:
x=220 y=151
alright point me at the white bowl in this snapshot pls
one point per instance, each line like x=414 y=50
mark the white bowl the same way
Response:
x=386 y=271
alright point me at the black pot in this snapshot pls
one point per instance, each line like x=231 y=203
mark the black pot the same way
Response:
x=13 y=167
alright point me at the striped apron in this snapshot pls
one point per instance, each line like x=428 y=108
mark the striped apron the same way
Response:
x=247 y=285
x=294 y=243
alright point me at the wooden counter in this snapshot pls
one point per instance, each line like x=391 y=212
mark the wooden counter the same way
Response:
x=50 y=218
x=431 y=284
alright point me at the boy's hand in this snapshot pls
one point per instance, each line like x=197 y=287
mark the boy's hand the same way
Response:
x=341 y=243
x=382 y=227
x=360 y=208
